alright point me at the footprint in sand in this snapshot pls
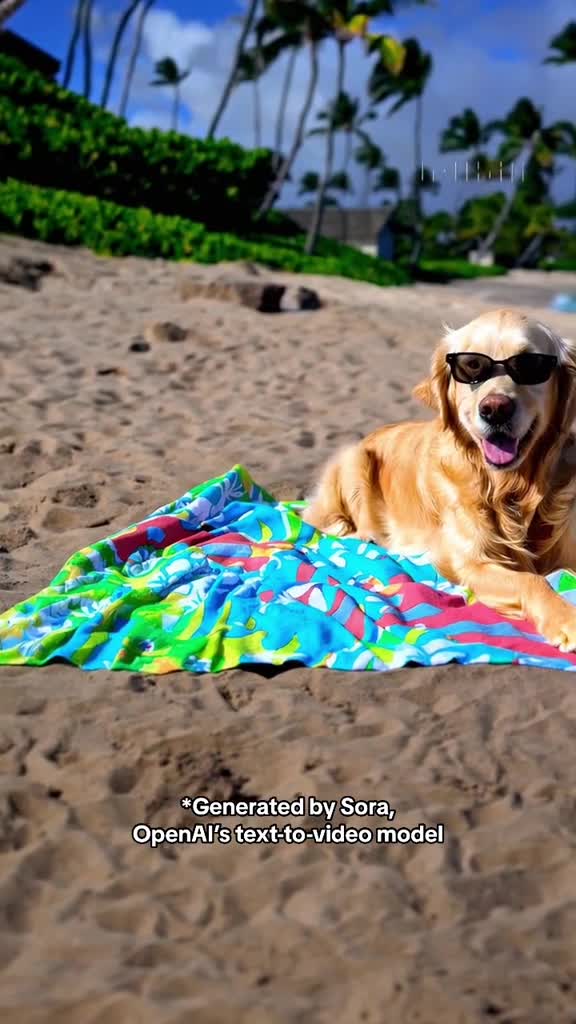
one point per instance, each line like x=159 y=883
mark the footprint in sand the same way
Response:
x=307 y=439
x=12 y=537
x=83 y=495
x=68 y=506
x=41 y=455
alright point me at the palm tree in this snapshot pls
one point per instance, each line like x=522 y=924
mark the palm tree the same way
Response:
x=352 y=123
x=249 y=69
x=8 y=8
x=369 y=156
x=86 y=29
x=341 y=115
x=253 y=63
x=565 y=45
x=407 y=86
x=328 y=129
x=342 y=22
x=299 y=22
x=524 y=139
x=567 y=139
x=72 y=45
x=466 y=134
x=134 y=54
x=232 y=75
x=310 y=183
x=282 y=106
x=121 y=27
x=350 y=20
x=476 y=217
x=168 y=73
x=389 y=180
x=426 y=181
x=271 y=43
x=440 y=233
x=391 y=55
x=541 y=226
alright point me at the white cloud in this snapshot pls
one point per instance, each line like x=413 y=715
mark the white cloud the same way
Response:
x=187 y=42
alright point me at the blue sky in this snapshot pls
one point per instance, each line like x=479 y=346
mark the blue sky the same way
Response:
x=487 y=53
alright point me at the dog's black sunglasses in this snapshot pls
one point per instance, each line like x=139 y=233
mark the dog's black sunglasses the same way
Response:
x=525 y=368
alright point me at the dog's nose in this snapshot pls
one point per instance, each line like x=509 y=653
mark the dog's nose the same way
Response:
x=497 y=409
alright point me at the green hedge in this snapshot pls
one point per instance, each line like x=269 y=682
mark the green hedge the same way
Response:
x=552 y=264
x=440 y=271
x=54 y=138
x=72 y=219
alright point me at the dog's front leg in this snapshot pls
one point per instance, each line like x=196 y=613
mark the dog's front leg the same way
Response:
x=524 y=594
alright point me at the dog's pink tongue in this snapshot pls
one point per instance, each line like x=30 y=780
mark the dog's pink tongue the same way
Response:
x=501 y=450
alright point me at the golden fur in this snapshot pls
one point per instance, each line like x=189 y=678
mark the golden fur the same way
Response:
x=427 y=486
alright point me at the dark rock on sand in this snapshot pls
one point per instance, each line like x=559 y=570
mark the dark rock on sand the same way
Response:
x=308 y=299
x=165 y=331
x=25 y=273
x=139 y=345
x=260 y=295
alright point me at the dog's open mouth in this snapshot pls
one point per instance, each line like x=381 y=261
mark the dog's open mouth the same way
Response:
x=502 y=449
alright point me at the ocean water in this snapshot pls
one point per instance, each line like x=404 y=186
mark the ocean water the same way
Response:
x=564 y=303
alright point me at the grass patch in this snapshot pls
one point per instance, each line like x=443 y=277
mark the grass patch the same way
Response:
x=442 y=271
x=70 y=218
x=565 y=265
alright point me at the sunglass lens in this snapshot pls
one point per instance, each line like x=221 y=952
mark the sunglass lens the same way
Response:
x=469 y=367
x=532 y=368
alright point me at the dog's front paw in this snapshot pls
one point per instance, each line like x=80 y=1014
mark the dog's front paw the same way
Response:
x=559 y=627
x=364 y=535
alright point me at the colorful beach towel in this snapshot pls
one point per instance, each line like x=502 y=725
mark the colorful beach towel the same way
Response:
x=227 y=576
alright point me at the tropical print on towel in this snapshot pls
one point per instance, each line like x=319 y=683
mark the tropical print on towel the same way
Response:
x=227 y=576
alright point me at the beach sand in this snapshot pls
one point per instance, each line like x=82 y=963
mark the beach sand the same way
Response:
x=96 y=929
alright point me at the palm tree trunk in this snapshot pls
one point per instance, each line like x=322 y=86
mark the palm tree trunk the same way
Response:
x=257 y=113
x=365 y=196
x=87 y=47
x=115 y=49
x=417 y=191
x=71 y=52
x=348 y=152
x=531 y=250
x=8 y=8
x=316 y=223
x=281 y=118
x=175 y=107
x=256 y=101
x=134 y=56
x=231 y=80
x=286 y=166
x=494 y=233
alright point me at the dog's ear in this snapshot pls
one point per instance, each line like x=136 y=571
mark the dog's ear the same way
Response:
x=565 y=407
x=423 y=393
x=566 y=401
x=433 y=391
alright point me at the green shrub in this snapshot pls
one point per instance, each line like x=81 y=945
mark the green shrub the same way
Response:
x=54 y=138
x=440 y=271
x=552 y=264
x=73 y=219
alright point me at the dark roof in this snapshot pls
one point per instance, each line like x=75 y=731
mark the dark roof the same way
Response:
x=345 y=225
x=14 y=45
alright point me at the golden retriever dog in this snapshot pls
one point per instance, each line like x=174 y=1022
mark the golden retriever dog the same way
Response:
x=486 y=488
